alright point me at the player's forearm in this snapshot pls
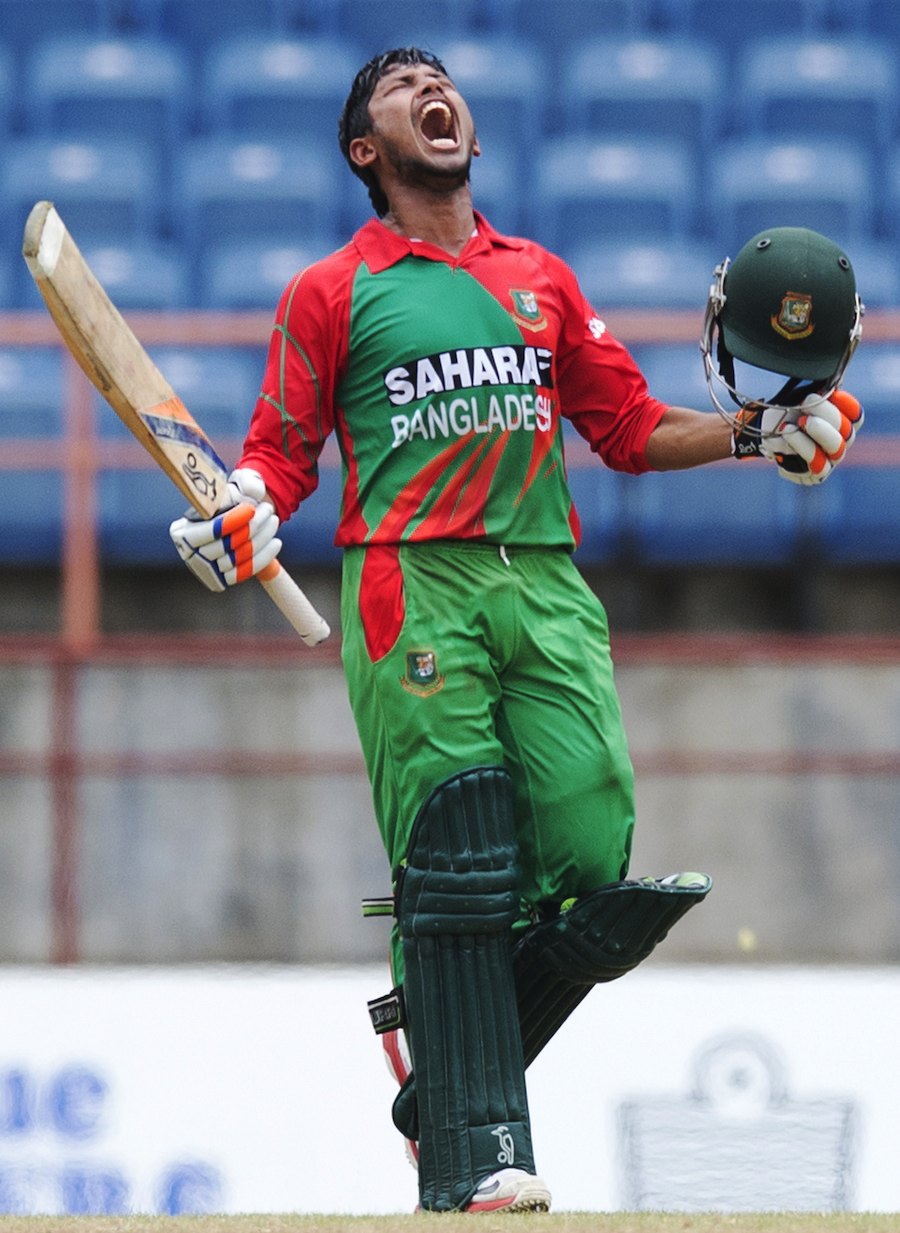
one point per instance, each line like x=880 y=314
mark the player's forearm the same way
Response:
x=687 y=438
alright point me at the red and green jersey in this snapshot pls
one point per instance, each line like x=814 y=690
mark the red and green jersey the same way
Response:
x=445 y=380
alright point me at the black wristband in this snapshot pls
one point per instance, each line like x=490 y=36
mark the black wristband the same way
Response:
x=746 y=439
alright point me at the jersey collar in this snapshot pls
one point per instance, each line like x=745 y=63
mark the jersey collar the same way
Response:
x=381 y=248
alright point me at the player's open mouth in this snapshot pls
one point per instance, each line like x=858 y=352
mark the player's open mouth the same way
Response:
x=437 y=125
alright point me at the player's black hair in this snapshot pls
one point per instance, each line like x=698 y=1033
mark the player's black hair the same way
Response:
x=355 y=120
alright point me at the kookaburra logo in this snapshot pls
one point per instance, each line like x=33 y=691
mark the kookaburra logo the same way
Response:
x=468 y=368
x=507 y=1152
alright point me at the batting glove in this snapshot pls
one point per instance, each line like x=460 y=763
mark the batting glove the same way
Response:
x=238 y=542
x=806 y=442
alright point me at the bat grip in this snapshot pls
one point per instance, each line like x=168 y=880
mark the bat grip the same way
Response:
x=286 y=595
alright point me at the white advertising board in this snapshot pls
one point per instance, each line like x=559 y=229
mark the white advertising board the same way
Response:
x=237 y=1090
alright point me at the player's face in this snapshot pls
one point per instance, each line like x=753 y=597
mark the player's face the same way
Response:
x=422 y=129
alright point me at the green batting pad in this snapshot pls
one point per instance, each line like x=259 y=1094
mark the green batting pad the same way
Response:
x=595 y=939
x=456 y=901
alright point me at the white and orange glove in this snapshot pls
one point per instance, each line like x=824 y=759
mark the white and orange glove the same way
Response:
x=238 y=542
x=807 y=441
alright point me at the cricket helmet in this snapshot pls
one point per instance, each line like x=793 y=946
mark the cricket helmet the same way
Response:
x=787 y=304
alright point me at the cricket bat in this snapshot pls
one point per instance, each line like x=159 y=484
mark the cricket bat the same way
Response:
x=107 y=350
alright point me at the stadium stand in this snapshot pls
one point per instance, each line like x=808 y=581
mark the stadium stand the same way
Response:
x=821 y=184
x=310 y=536
x=262 y=86
x=588 y=187
x=31 y=401
x=876 y=264
x=375 y=25
x=231 y=189
x=597 y=495
x=727 y=514
x=141 y=276
x=670 y=274
x=645 y=88
x=889 y=201
x=22 y=21
x=220 y=386
x=80 y=86
x=252 y=275
x=678 y=129
x=31 y=392
x=505 y=82
x=561 y=30
x=880 y=18
x=731 y=23
x=492 y=175
x=845 y=88
x=106 y=189
x=199 y=23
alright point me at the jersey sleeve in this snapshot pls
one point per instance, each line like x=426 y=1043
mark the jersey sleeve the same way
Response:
x=294 y=412
x=602 y=390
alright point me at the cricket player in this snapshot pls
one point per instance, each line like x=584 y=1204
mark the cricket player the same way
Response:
x=445 y=357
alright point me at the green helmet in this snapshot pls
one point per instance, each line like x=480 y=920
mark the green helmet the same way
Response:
x=786 y=304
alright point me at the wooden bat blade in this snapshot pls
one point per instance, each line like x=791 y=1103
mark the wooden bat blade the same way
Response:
x=115 y=362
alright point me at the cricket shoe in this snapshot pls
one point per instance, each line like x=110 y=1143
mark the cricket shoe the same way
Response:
x=396 y=1054
x=510 y=1190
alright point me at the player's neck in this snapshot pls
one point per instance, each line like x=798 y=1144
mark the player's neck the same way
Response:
x=446 y=220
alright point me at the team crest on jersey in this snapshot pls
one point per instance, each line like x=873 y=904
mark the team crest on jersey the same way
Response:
x=794 y=318
x=422 y=676
x=527 y=309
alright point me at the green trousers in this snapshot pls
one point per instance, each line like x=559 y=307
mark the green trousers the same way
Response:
x=461 y=654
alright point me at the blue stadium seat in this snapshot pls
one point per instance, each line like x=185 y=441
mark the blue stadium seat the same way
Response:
x=9 y=103
x=141 y=276
x=727 y=514
x=505 y=82
x=874 y=378
x=492 y=175
x=889 y=212
x=846 y=88
x=106 y=190
x=662 y=87
x=596 y=493
x=135 y=508
x=730 y=24
x=668 y=274
x=881 y=17
x=821 y=184
x=270 y=87
x=309 y=535
x=32 y=392
x=32 y=396
x=587 y=188
x=560 y=28
x=876 y=265
x=10 y=275
x=87 y=87
x=228 y=190
x=137 y=275
x=253 y=275
x=376 y=25
x=674 y=371
x=22 y=22
x=197 y=24
x=31 y=517
x=218 y=385
x=859 y=509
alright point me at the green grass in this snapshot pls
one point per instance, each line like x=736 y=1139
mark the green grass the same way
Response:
x=563 y=1222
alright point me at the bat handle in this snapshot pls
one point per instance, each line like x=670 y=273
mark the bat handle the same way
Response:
x=287 y=596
